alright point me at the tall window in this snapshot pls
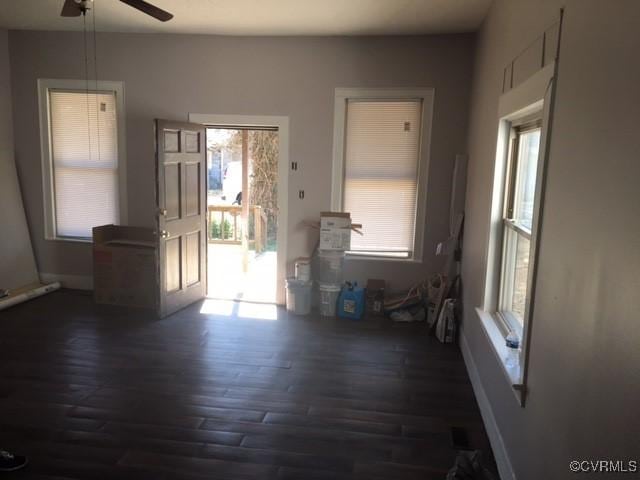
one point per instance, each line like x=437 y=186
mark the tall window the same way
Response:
x=81 y=159
x=517 y=220
x=382 y=145
x=517 y=208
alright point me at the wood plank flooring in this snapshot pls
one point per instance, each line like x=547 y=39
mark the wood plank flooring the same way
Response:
x=96 y=392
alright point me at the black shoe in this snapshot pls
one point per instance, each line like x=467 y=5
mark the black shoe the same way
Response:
x=10 y=462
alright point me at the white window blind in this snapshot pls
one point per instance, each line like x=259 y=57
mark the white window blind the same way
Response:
x=381 y=173
x=84 y=150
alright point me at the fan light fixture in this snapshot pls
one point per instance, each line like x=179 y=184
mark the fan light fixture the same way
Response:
x=75 y=8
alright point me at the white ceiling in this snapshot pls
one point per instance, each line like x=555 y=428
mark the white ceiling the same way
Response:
x=259 y=17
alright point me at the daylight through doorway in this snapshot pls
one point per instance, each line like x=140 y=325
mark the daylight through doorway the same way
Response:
x=242 y=212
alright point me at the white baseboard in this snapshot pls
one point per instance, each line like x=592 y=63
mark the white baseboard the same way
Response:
x=79 y=282
x=497 y=444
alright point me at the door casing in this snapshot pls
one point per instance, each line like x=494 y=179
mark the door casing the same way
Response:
x=282 y=124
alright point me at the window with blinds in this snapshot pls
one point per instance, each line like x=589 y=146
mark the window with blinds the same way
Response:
x=84 y=160
x=381 y=154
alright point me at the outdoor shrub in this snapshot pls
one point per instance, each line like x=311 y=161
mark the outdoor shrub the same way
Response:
x=214 y=229
x=226 y=228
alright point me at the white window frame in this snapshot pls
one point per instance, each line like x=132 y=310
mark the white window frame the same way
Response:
x=342 y=95
x=48 y=187
x=531 y=99
x=507 y=318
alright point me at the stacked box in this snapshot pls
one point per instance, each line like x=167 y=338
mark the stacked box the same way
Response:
x=124 y=266
x=335 y=231
x=335 y=240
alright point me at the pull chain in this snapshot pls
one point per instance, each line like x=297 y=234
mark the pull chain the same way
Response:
x=86 y=76
x=95 y=71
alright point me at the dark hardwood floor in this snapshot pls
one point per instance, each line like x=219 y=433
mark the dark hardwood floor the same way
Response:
x=101 y=392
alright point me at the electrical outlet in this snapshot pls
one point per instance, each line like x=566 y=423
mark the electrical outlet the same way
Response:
x=294 y=166
x=301 y=194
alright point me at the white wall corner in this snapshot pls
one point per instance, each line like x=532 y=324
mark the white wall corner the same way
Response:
x=78 y=282
x=505 y=469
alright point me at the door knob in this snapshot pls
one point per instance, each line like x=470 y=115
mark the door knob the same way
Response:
x=164 y=234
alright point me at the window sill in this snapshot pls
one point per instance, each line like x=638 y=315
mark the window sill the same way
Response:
x=88 y=241
x=380 y=258
x=497 y=341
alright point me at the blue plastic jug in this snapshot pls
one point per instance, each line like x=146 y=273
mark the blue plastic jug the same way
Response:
x=351 y=301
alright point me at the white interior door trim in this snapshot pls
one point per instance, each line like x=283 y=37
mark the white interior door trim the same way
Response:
x=282 y=123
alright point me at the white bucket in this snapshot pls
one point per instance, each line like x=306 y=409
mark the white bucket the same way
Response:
x=330 y=266
x=329 y=299
x=298 y=296
x=303 y=269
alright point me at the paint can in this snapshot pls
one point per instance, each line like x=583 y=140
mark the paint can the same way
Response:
x=303 y=269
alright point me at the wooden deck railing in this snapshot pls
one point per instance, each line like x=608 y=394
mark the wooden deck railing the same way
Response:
x=259 y=228
x=225 y=225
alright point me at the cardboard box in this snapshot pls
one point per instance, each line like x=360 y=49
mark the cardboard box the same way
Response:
x=335 y=239
x=124 y=266
x=375 y=297
x=335 y=220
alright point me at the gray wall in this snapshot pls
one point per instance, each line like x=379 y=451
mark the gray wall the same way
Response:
x=168 y=76
x=17 y=263
x=584 y=370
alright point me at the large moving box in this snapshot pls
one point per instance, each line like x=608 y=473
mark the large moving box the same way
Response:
x=335 y=231
x=124 y=266
x=335 y=220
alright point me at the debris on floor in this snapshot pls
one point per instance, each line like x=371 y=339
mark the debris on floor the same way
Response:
x=375 y=297
x=469 y=466
x=436 y=293
x=415 y=296
x=407 y=307
x=406 y=316
x=445 y=328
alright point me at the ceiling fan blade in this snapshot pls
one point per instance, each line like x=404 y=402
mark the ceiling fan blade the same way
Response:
x=70 y=9
x=147 y=8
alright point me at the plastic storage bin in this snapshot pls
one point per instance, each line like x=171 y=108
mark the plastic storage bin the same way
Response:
x=329 y=299
x=329 y=267
x=298 y=296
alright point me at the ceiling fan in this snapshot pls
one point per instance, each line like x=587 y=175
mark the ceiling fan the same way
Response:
x=75 y=8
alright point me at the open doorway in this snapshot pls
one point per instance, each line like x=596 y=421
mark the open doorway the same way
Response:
x=242 y=212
